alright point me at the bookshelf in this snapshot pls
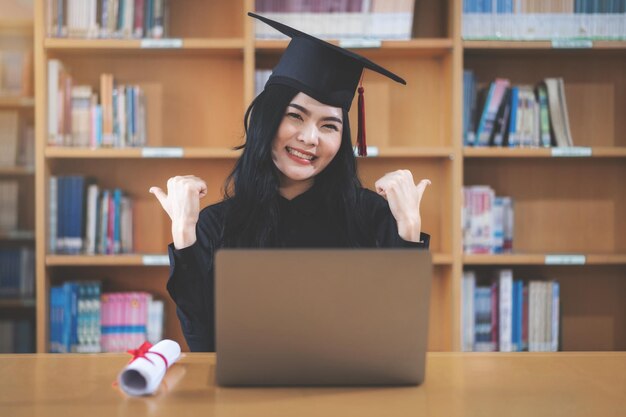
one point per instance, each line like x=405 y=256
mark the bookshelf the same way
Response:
x=16 y=99
x=568 y=202
x=197 y=92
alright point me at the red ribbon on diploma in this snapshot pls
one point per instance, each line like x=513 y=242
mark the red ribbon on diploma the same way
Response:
x=141 y=353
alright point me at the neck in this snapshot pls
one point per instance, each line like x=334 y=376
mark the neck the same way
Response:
x=290 y=189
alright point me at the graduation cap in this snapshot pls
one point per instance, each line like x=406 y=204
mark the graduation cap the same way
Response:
x=324 y=71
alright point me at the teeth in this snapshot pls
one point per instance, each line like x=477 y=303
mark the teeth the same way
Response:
x=299 y=154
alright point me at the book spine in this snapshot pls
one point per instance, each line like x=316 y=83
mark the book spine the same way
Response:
x=506 y=309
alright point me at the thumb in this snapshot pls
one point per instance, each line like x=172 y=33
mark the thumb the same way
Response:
x=421 y=187
x=159 y=194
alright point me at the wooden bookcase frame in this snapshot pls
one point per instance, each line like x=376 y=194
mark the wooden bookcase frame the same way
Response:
x=197 y=96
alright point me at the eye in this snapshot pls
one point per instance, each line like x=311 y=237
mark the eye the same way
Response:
x=295 y=116
x=331 y=127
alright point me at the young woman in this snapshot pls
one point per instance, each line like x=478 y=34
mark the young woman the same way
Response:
x=295 y=185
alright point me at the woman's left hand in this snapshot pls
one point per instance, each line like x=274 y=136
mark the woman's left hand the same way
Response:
x=404 y=198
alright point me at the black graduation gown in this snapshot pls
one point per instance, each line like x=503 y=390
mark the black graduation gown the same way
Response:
x=303 y=223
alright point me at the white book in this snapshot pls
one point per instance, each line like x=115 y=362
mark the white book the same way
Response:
x=54 y=69
x=505 y=321
x=498 y=225
x=547 y=325
x=532 y=316
x=81 y=115
x=556 y=112
x=129 y=8
x=564 y=112
x=486 y=223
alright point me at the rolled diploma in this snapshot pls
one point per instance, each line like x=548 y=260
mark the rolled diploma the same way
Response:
x=142 y=377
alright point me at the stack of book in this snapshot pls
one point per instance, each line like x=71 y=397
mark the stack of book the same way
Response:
x=509 y=315
x=8 y=205
x=339 y=19
x=17 y=141
x=488 y=221
x=87 y=219
x=502 y=114
x=16 y=72
x=17 y=336
x=107 y=18
x=17 y=273
x=544 y=20
x=85 y=321
x=75 y=118
x=9 y=128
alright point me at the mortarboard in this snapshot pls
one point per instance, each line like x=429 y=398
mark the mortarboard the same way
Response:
x=324 y=71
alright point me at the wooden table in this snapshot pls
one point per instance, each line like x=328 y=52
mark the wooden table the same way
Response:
x=457 y=384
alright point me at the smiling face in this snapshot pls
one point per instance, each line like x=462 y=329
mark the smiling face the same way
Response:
x=307 y=140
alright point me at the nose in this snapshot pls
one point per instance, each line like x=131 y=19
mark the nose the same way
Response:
x=308 y=134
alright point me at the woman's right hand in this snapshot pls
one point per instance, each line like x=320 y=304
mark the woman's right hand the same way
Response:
x=182 y=204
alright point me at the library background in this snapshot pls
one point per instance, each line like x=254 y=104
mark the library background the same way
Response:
x=512 y=109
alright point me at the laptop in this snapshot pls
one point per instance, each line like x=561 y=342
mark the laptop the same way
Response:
x=315 y=317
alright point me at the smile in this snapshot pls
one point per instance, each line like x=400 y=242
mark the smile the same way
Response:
x=301 y=155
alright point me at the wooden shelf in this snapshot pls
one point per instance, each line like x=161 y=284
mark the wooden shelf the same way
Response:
x=17 y=235
x=154 y=260
x=16 y=102
x=103 y=260
x=123 y=153
x=9 y=303
x=540 y=259
x=414 y=47
x=494 y=152
x=412 y=152
x=221 y=153
x=177 y=46
x=495 y=46
x=199 y=85
x=17 y=171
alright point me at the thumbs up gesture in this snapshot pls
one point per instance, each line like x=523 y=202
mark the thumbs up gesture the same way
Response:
x=182 y=204
x=404 y=198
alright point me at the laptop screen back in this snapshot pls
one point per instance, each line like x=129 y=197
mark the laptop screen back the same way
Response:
x=321 y=316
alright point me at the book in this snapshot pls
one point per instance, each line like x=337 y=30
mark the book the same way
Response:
x=9 y=136
x=468 y=311
x=559 y=120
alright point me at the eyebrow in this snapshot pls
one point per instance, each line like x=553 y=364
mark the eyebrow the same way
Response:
x=308 y=113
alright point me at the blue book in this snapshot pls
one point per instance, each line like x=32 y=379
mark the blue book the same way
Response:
x=76 y=217
x=518 y=305
x=120 y=14
x=485 y=112
x=60 y=240
x=129 y=116
x=98 y=125
x=55 y=317
x=117 y=201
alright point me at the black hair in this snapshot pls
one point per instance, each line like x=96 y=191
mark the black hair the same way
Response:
x=251 y=190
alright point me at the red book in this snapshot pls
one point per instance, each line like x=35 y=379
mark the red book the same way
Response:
x=138 y=24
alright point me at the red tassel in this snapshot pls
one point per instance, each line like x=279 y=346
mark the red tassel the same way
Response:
x=360 y=136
